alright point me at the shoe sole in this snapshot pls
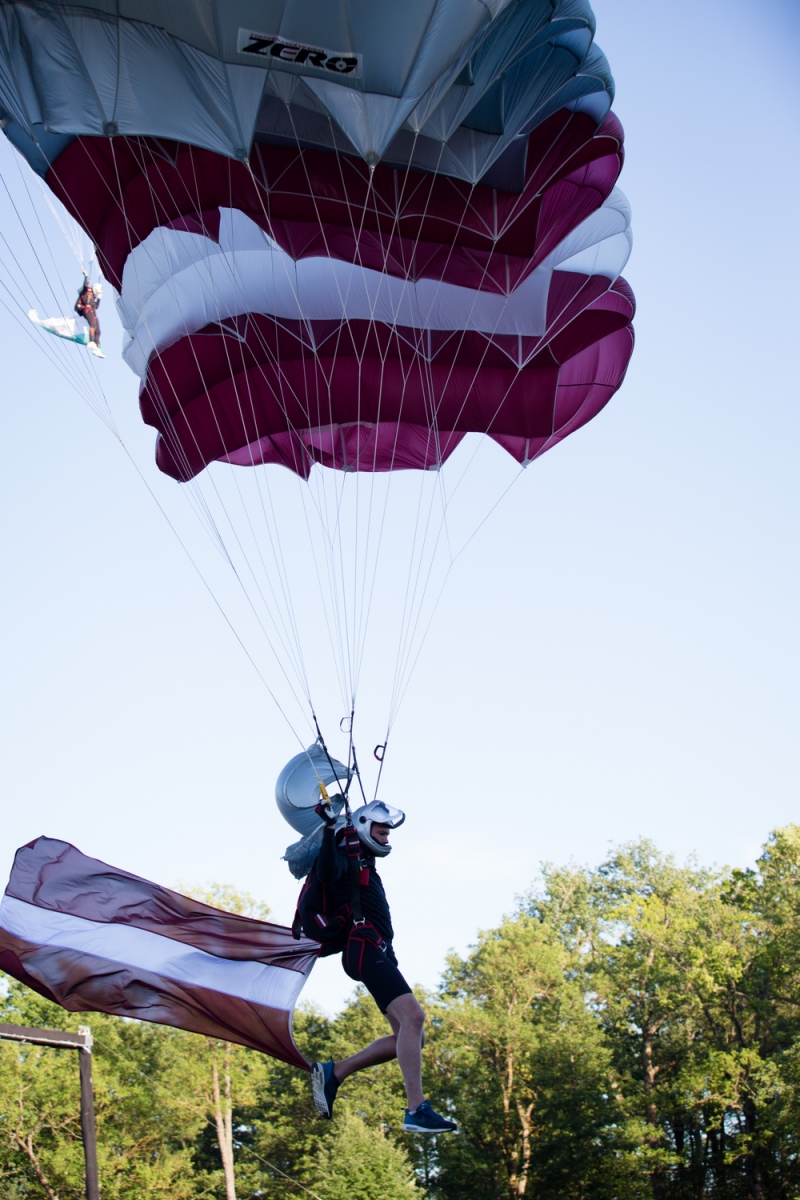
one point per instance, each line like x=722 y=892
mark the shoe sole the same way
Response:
x=318 y=1091
x=426 y=1129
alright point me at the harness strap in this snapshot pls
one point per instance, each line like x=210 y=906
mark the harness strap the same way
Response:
x=352 y=848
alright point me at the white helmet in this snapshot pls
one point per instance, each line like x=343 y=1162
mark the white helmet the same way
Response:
x=382 y=814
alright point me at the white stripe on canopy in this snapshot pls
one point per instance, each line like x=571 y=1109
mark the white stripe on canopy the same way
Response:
x=175 y=283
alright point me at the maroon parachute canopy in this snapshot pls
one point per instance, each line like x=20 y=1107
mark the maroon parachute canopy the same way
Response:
x=305 y=308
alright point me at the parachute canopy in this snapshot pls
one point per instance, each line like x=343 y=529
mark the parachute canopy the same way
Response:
x=443 y=84
x=350 y=236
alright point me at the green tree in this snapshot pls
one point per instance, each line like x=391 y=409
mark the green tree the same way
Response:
x=286 y=1130
x=519 y=1057
x=690 y=972
x=144 y=1137
x=358 y=1161
x=758 y=1015
x=225 y=1078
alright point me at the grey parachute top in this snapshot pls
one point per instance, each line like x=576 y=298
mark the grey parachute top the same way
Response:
x=453 y=86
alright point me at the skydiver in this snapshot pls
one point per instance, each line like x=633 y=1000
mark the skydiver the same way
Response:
x=86 y=306
x=368 y=958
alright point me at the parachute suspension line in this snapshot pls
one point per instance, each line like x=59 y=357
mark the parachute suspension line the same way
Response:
x=167 y=423
x=288 y=623
x=432 y=424
x=307 y=492
x=396 y=217
x=366 y=609
x=74 y=237
x=335 y=535
x=323 y=508
x=433 y=435
x=203 y=578
x=332 y=541
x=410 y=624
x=519 y=365
x=193 y=484
x=279 y=557
x=360 y=613
x=47 y=275
x=343 y=788
x=272 y=530
x=359 y=629
x=406 y=662
x=350 y=748
x=393 y=327
x=356 y=232
x=402 y=692
x=171 y=525
x=415 y=600
x=213 y=596
x=357 y=774
x=284 y=637
x=220 y=540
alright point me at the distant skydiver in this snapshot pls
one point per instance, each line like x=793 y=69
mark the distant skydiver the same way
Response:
x=343 y=905
x=86 y=306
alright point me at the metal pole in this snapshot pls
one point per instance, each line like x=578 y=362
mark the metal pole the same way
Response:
x=87 y=1115
x=82 y=1042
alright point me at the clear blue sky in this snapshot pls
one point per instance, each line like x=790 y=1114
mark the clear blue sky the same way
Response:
x=617 y=654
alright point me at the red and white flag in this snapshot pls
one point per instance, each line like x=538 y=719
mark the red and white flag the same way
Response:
x=96 y=939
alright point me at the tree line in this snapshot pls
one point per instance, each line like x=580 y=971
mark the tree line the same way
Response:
x=631 y=1031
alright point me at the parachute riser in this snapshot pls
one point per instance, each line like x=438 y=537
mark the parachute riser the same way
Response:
x=343 y=788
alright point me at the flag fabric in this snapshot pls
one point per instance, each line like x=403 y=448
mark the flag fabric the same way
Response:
x=96 y=939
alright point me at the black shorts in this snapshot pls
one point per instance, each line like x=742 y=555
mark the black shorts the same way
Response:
x=365 y=961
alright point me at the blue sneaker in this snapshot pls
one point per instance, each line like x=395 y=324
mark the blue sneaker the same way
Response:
x=324 y=1086
x=425 y=1120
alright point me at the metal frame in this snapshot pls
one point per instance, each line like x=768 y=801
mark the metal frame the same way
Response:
x=82 y=1042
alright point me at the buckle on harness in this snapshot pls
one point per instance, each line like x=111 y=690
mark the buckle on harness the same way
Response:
x=359 y=921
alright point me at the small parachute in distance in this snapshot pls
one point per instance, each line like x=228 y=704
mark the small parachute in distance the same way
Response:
x=75 y=329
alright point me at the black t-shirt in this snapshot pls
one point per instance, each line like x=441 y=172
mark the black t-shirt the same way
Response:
x=333 y=871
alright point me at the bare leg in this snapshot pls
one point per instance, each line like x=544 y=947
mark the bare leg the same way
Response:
x=380 y=1051
x=407 y=1021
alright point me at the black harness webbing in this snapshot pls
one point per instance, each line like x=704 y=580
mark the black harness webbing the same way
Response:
x=352 y=848
x=352 y=842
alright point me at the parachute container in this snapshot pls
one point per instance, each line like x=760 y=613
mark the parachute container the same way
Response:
x=297 y=790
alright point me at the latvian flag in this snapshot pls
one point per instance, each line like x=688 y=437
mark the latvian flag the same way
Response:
x=96 y=939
